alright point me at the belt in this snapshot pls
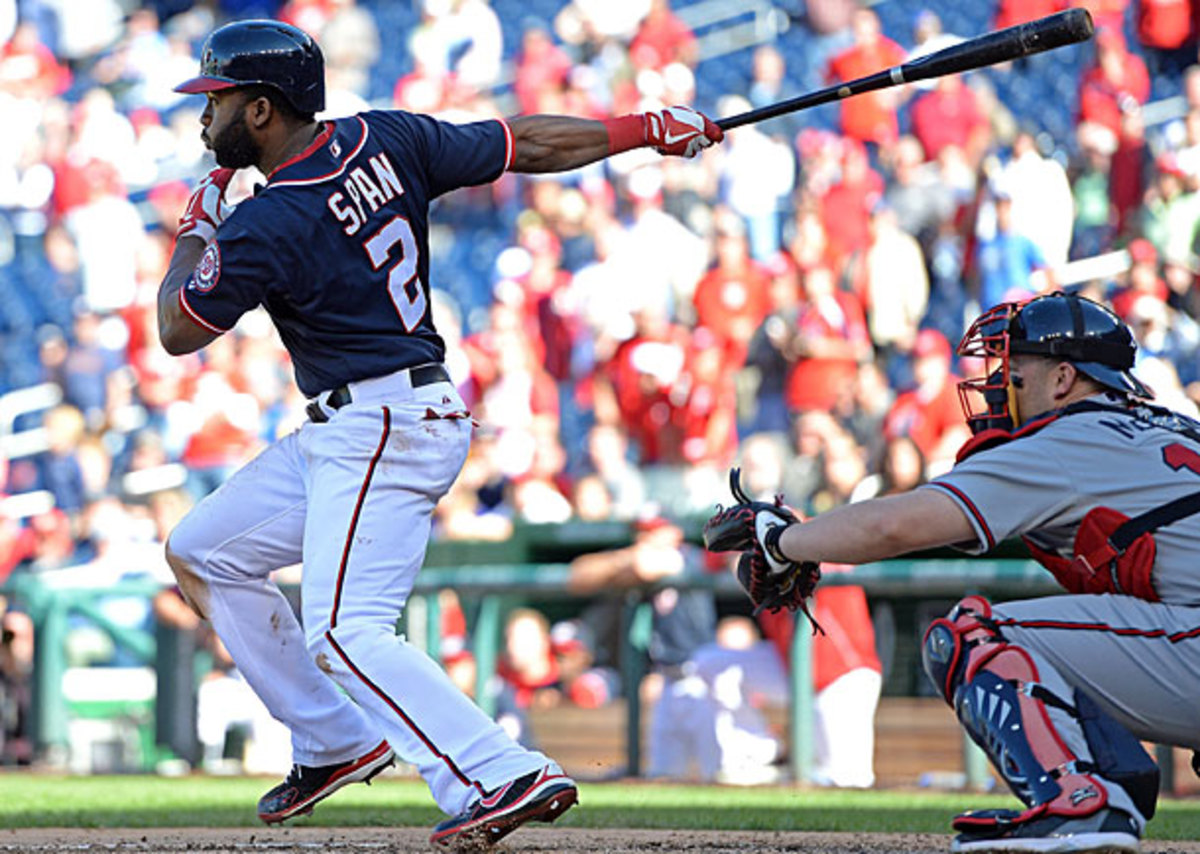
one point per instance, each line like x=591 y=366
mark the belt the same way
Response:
x=421 y=375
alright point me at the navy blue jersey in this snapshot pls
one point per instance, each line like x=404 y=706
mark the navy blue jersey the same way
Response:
x=335 y=246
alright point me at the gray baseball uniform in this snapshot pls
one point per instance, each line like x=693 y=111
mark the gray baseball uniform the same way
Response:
x=1139 y=660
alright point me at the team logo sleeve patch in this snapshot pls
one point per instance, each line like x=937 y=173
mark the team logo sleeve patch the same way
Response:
x=208 y=270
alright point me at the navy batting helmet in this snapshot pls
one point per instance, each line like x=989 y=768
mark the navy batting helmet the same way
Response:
x=1058 y=326
x=267 y=53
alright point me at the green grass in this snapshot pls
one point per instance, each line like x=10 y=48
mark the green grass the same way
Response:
x=35 y=800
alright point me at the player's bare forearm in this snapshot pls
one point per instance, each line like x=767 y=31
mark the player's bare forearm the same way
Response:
x=879 y=528
x=592 y=573
x=178 y=333
x=556 y=143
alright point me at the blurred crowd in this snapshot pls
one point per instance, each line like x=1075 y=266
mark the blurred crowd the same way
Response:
x=788 y=301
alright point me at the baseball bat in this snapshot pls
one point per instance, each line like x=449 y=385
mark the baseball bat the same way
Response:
x=1063 y=28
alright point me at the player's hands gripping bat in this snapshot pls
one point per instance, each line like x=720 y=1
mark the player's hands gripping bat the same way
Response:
x=771 y=579
x=207 y=208
x=680 y=131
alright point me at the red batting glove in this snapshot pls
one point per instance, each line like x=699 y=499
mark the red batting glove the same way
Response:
x=679 y=131
x=207 y=208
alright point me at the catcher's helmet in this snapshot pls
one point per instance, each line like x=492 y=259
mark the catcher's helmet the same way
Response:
x=1058 y=326
x=270 y=53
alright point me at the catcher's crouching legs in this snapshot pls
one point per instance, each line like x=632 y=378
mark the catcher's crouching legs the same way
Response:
x=1080 y=774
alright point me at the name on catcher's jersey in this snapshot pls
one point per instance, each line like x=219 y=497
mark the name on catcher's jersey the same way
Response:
x=1045 y=483
x=335 y=246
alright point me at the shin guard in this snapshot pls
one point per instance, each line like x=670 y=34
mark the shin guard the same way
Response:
x=998 y=695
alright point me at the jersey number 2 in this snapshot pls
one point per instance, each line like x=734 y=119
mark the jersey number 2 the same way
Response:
x=407 y=294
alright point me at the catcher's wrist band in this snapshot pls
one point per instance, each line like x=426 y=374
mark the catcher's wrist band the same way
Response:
x=625 y=133
x=771 y=544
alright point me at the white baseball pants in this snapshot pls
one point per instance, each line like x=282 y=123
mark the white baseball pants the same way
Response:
x=352 y=498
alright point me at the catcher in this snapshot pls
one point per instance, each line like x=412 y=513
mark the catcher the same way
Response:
x=1104 y=487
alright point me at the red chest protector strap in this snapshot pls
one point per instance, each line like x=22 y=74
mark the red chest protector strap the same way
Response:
x=1113 y=552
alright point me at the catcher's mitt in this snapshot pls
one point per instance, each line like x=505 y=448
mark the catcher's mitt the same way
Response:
x=772 y=580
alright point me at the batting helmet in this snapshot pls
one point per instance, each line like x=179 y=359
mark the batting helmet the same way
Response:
x=1058 y=326
x=267 y=53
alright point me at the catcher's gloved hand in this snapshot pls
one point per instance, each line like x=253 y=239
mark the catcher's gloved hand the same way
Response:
x=771 y=579
x=680 y=131
x=207 y=208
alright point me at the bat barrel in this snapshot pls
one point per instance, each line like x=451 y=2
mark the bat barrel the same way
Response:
x=1053 y=31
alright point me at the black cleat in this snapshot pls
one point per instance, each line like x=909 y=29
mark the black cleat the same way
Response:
x=1108 y=830
x=541 y=795
x=306 y=784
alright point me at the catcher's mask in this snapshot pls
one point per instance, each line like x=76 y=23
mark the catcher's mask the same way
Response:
x=1057 y=326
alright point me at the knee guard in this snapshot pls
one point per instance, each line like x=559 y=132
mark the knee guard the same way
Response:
x=997 y=694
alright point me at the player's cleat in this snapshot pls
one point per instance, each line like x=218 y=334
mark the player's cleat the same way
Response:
x=1107 y=830
x=306 y=784
x=541 y=795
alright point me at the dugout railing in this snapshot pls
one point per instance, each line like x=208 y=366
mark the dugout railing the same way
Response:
x=488 y=589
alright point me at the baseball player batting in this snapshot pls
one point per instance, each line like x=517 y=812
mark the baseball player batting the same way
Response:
x=335 y=247
x=1104 y=487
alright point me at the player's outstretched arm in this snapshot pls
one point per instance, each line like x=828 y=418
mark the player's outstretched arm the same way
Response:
x=879 y=528
x=560 y=143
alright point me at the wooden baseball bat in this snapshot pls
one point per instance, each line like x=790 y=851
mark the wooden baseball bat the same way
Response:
x=1063 y=28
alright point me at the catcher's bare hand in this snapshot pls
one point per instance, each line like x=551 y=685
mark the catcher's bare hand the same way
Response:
x=770 y=578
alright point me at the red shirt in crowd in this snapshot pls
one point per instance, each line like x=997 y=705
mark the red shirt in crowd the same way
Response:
x=661 y=39
x=924 y=419
x=1012 y=12
x=732 y=304
x=1117 y=79
x=846 y=208
x=542 y=66
x=868 y=117
x=948 y=115
x=817 y=382
x=645 y=375
x=1164 y=24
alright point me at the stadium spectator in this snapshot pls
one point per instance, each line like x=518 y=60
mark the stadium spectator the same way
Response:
x=1042 y=208
x=846 y=207
x=950 y=115
x=1006 y=261
x=769 y=353
x=527 y=664
x=662 y=38
x=917 y=194
x=870 y=117
x=847 y=676
x=1009 y=13
x=682 y=740
x=731 y=298
x=928 y=413
x=28 y=68
x=542 y=67
x=1117 y=83
x=758 y=172
x=1170 y=211
x=1141 y=280
x=830 y=340
x=893 y=284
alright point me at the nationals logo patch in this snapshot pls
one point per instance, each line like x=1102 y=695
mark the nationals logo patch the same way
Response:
x=208 y=269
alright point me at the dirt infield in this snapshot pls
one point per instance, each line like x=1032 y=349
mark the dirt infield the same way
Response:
x=376 y=839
